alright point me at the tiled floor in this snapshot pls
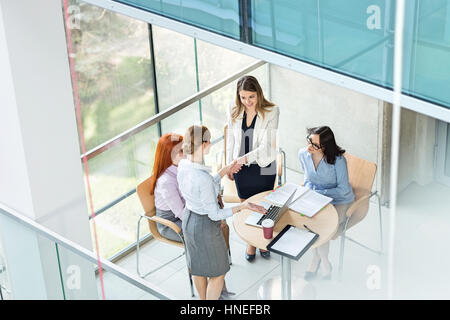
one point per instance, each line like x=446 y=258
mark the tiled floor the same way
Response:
x=420 y=266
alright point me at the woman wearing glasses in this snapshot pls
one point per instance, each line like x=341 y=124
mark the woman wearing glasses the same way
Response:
x=325 y=171
x=251 y=139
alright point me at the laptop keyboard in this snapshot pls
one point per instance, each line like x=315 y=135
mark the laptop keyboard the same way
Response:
x=272 y=213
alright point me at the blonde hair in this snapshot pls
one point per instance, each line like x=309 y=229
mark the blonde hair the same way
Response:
x=249 y=83
x=194 y=137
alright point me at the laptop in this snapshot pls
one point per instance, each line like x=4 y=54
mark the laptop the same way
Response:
x=273 y=212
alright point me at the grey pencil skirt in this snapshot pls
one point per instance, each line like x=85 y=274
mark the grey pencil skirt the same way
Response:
x=165 y=231
x=206 y=251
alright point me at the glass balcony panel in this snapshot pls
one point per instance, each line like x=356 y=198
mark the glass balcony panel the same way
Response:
x=332 y=34
x=356 y=37
x=219 y=16
x=51 y=271
x=422 y=219
x=4 y=277
x=116 y=227
x=430 y=52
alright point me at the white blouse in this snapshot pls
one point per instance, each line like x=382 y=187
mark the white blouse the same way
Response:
x=200 y=190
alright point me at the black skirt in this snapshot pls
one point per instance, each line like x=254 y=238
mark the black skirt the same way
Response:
x=253 y=179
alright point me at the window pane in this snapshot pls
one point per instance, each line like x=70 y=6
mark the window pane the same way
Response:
x=176 y=77
x=118 y=170
x=113 y=72
x=216 y=63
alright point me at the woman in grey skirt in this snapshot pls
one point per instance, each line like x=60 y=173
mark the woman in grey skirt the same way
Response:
x=205 y=244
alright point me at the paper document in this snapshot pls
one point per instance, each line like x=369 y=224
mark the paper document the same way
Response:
x=280 y=195
x=294 y=241
x=310 y=203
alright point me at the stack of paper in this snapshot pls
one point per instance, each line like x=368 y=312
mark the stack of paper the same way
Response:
x=310 y=203
x=305 y=201
x=280 y=195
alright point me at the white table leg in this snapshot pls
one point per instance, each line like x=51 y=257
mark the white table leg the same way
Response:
x=285 y=287
x=285 y=278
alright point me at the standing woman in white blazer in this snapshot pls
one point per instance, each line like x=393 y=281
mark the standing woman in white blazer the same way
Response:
x=252 y=140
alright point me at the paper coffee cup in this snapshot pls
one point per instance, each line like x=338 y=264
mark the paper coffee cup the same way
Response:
x=267 y=225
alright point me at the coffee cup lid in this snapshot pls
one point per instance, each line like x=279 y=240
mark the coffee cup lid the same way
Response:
x=268 y=223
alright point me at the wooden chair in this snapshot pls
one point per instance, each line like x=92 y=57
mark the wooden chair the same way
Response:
x=229 y=192
x=148 y=203
x=361 y=174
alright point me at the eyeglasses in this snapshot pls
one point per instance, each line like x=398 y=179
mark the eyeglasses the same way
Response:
x=314 y=145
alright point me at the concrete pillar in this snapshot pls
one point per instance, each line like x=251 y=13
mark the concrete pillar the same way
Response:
x=40 y=168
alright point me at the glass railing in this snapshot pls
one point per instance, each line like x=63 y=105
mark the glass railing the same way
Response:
x=218 y=16
x=351 y=37
x=43 y=265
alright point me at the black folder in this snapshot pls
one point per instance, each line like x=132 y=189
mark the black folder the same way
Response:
x=301 y=250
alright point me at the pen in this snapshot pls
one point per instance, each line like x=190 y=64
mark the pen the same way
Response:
x=308 y=228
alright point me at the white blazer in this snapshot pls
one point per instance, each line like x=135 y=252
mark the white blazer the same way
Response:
x=264 y=138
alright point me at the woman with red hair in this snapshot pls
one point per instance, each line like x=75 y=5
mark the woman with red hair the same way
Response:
x=168 y=200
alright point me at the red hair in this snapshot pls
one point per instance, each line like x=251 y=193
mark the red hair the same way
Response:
x=163 y=156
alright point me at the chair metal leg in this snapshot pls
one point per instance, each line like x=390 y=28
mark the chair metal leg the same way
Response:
x=341 y=251
x=229 y=256
x=284 y=166
x=381 y=224
x=191 y=284
x=137 y=247
x=137 y=254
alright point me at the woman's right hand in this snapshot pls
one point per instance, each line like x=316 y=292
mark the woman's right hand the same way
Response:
x=255 y=207
x=230 y=176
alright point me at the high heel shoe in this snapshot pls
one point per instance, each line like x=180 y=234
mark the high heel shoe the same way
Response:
x=249 y=257
x=265 y=254
x=328 y=276
x=309 y=275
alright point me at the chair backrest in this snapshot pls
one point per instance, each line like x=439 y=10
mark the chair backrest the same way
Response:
x=361 y=175
x=148 y=203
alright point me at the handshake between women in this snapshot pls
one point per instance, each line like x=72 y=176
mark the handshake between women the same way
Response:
x=230 y=170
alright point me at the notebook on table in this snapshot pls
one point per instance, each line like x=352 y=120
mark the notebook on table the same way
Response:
x=292 y=242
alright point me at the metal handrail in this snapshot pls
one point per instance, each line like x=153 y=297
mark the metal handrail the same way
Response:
x=84 y=253
x=168 y=112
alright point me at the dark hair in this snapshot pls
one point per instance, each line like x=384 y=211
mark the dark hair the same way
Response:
x=194 y=137
x=327 y=142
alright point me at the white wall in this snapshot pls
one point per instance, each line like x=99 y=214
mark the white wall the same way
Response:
x=41 y=173
x=307 y=102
